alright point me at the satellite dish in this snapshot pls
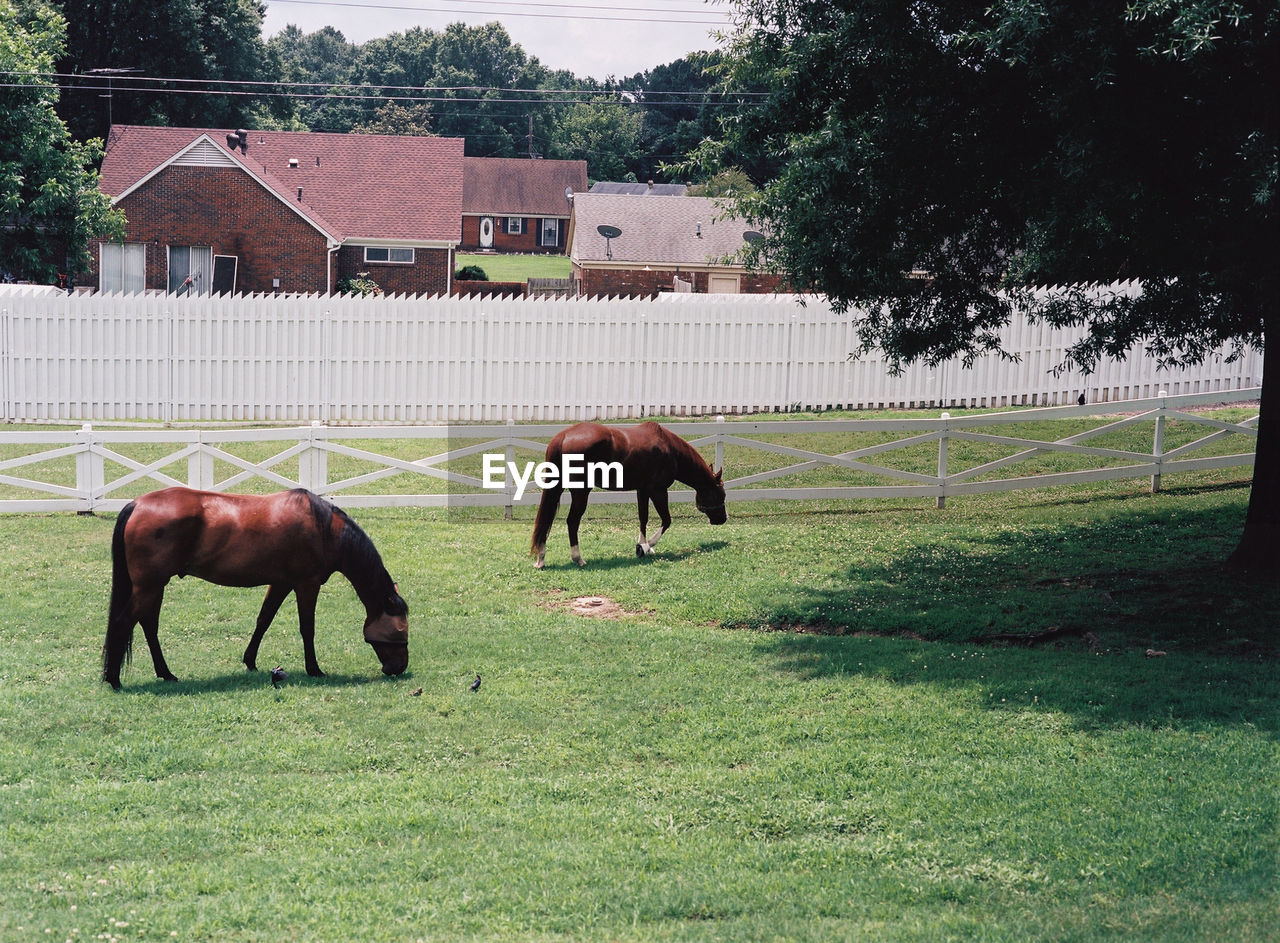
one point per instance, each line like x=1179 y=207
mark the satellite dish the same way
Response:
x=609 y=232
x=752 y=236
x=568 y=193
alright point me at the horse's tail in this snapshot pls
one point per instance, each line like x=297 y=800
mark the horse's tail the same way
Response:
x=118 y=646
x=547 y=505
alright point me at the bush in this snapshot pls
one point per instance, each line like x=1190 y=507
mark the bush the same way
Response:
x=359 y=284
x=471 y=273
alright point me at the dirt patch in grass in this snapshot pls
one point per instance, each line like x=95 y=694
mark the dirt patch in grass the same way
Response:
x=590 y=607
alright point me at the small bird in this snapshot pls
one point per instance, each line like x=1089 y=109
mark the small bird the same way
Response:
x=1080 y=400
x=415 y=693
x=475 y=685
x=278 y=674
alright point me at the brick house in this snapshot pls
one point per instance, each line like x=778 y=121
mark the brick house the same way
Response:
x=517 y=204
x=666 y=243
x=262 y=211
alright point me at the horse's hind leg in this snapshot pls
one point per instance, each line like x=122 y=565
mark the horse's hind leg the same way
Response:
x=306 y=594
x=146 y=603
x=577 y=507
x=276 y=595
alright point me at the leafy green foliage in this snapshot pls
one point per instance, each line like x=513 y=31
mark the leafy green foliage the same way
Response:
x=180 y=39
x=359 y=284
x=991 y=149
x=471 y=273
x=50 y=205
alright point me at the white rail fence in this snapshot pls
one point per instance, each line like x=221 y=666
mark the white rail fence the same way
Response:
x=91 y=469
x=298 y=359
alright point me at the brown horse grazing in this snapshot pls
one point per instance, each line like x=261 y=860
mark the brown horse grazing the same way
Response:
x=651 y=458
x=292 y=542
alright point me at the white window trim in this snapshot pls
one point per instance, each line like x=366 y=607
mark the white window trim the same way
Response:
x=388 y=250
x=542 y=232
x=519 y=225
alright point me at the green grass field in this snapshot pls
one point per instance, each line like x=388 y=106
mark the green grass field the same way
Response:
x=790 y=733
x=517 y=268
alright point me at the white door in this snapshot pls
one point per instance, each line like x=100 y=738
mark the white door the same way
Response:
x=486 y=232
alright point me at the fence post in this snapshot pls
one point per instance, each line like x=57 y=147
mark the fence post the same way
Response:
x=200 y=465
x=508 y=486
x=942 y=461
x=1157 y=447
x=719 y=465
x=313 y=464
x=90 y=470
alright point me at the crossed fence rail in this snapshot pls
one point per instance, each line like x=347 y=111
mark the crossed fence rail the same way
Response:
x=91 y=468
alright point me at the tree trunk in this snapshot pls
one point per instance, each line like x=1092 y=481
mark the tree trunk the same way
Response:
x=1259 y=550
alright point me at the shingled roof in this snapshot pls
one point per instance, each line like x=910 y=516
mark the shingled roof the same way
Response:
x=354 y=186
x=687 y=230
x=510 y=186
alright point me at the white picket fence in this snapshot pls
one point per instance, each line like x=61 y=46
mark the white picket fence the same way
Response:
x=95 y=357
x=106 y=474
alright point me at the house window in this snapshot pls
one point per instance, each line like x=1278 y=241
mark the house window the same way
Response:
x=515 y=225
x=123 y=268
x=190 y=270
x=550 y=232
x=397 y=255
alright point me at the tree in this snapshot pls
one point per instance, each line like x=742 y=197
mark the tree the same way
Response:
x=997 y=147
x=50 y=205
x=169 y=39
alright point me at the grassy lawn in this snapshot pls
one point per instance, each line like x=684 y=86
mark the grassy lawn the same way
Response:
x=517 y=268
x=790 y=732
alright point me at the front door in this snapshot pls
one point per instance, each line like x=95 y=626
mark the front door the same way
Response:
x=486 y=232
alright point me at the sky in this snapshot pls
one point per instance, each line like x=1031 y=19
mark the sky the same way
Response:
x=591 y=38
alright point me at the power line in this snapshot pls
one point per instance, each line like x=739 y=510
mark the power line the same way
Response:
x=722 y=21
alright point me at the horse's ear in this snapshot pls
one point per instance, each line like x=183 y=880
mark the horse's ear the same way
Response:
x=719 y=473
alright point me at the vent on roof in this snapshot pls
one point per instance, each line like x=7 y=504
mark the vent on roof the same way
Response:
x=204 y=154
x=293 y=162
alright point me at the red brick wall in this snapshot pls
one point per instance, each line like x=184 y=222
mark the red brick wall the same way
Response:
x=428 y=275
x=637 y=283
x=228 y=210
x=502 y=242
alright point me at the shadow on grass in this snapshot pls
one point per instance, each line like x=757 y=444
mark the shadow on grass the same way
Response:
x=622 y=561
x=1139 y=621
x=252 y=680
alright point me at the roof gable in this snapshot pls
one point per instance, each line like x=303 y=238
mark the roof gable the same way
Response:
x=352 y=186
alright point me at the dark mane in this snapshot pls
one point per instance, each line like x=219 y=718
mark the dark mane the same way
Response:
x=360 y=562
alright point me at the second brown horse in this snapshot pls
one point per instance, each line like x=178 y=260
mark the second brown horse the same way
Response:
x=652 y=459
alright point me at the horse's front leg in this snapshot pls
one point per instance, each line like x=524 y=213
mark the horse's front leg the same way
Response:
x=643 y=547
x=276 y=594
x=146 y=603
x=660 y=505
x=577 y=507
x=306 y=594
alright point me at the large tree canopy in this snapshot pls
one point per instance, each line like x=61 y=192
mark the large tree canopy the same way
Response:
x=1001 y=146
x=50 y=205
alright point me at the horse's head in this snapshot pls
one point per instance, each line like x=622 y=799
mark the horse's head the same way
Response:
x=710 y=500
x=388 y=633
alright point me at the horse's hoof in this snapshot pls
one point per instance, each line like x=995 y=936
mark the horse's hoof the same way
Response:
x=315 y=672
x=538 y=565
x=639 y=550
x=168 y=678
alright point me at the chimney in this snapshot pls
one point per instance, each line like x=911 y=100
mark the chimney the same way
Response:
x=299 y=194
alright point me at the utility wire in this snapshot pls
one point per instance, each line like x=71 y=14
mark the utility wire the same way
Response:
x=722 y=21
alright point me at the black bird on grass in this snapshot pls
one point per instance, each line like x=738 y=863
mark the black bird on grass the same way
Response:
x=475 y=685
x=278 y=674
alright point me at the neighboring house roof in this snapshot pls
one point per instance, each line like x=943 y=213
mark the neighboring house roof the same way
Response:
x=687 y=230
x=355 y=187
x=640 y=189
x=512 y=186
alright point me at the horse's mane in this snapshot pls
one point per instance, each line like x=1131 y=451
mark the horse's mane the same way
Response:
x=358 y=559
x=682 y=447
